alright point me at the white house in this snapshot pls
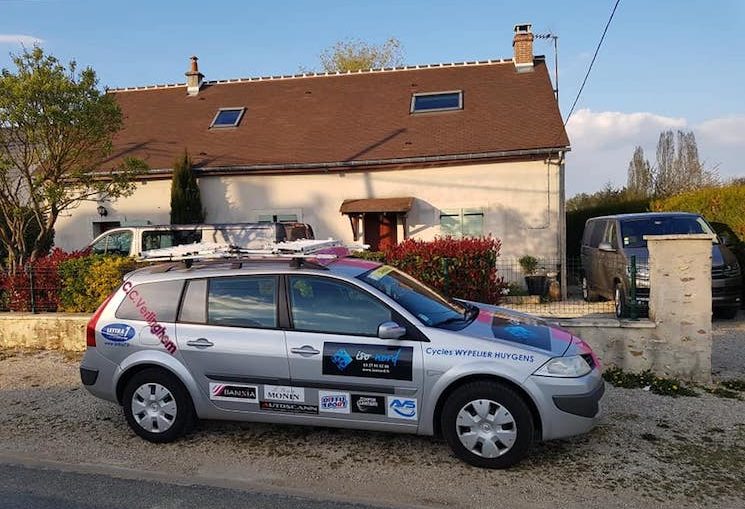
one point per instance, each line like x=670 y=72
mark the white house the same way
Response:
x=470 y=148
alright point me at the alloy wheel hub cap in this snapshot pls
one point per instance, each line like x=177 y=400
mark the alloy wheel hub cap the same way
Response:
x=486 y=428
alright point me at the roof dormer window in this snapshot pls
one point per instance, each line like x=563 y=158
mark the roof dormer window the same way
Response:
x=227 y=117
x=437 y=101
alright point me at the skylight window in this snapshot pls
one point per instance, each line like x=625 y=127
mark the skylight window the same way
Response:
x=437 y=101
x=227 y=117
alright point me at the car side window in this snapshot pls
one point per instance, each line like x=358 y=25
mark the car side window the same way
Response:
x=245 y=301
x=99 y=247
x=327 y=306
x=596 y=237
x=194 y=304
x=151 y=302
x=156 y=240
x=119 y=243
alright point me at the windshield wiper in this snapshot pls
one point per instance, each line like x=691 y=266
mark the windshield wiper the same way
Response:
x=452 y=319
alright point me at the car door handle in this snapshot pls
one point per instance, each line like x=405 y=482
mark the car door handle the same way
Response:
x=305 y=350
x=200 y=343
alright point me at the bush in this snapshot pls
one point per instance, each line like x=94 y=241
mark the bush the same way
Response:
x=648 y=381
x=43 y=276
x=87 y=281
x=462 y=268
x=373 y=256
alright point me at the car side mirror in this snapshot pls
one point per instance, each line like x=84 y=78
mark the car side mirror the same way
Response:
x=605 y=246
x=390 y=330
x=724 y=239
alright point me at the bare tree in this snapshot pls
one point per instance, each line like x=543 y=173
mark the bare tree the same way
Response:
x=640 y=178
x=679 y=168
x=56 y=130
x=356 y=55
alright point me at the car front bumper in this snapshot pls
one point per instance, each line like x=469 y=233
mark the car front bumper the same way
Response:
x=568 y=406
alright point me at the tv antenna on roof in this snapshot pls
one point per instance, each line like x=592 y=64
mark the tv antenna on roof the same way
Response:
x=550 y=35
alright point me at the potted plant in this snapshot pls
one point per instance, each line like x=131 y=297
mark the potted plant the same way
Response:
x=536 y=283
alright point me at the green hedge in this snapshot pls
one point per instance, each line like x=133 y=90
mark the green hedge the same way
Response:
x=87 y=281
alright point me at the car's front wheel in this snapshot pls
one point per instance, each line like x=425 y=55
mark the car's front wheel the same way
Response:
x=487 y=424
x=157 y=406
x=619 y=300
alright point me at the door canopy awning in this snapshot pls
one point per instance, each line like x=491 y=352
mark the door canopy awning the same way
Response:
x=371 y=205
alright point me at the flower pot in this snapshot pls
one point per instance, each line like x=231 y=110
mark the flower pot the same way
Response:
x=536 y=284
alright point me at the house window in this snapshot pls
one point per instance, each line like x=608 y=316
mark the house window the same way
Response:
x=437 y=101
x=462 y=222
x=227 y=117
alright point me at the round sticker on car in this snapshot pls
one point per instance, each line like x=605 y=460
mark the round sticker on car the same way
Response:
x=118 y=332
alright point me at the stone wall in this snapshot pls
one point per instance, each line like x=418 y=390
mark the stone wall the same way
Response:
x=676 y=340
x=53 y=331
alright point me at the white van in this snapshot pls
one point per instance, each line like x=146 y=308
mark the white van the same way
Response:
x=133 y=240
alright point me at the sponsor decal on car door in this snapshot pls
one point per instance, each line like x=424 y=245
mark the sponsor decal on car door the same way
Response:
x=368 y=361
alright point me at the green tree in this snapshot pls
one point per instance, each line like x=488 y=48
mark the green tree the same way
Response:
x=356 y=55
x=56 y=130
x=186 y=202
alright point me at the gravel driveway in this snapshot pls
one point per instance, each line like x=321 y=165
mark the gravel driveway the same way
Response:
x=649 y=450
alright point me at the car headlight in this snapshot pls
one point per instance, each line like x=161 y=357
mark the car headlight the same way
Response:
x=568 y=367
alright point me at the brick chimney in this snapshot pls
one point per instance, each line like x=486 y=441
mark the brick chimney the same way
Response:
x=523 y=47
x=194 y=78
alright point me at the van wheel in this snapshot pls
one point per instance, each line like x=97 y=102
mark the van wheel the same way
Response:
x=157 y=406
x=620 y=302
x=726 y=313
x=588 y=294
x=487 y=424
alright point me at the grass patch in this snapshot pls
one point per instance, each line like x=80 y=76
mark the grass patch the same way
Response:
x=648 y=381
x=734 y=385
x=722 y=392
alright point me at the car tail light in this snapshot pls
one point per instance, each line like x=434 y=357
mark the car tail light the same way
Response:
x=90 y=329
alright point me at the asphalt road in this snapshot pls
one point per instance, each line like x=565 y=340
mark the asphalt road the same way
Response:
x=23 y=487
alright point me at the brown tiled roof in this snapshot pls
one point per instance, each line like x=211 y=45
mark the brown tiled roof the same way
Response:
x=377 y=205
x=360 y=118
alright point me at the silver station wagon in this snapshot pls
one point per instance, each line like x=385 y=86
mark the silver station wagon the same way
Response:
x=343 y=343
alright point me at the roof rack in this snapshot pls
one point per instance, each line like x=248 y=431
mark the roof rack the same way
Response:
x=296 y=251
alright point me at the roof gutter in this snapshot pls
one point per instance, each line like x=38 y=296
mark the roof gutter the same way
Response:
x=297 y=167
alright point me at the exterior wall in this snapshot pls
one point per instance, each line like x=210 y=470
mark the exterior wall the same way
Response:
x=150 y=204
x=49 y=331
x=521 y=202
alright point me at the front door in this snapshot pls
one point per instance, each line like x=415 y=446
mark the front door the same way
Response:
x=380 y=230
x=233 y=345
x=333 y=348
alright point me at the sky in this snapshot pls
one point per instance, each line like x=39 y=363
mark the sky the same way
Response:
x=667 y=64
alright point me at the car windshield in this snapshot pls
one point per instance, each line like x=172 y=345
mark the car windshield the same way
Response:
x=430 y=307
x=634 y=230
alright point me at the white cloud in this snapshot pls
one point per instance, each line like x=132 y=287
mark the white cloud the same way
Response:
x=26 y=40
x=603 y=142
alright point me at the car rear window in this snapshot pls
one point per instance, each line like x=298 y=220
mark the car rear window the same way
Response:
x=151 y=302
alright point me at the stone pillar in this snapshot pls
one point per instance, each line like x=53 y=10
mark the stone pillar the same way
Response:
x=680 y=304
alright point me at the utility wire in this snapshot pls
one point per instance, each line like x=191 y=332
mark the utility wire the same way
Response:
x=600 y=43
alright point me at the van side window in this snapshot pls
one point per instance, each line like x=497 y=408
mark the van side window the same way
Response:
x=610 y=235
x=596 y=236
x=116 y=243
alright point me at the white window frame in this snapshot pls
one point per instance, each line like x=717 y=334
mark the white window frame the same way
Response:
x=237 y=121
x=430 y=110
x=461 y=213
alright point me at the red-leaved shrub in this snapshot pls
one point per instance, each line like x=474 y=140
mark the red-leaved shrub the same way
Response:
x=42 y=276
x=462 y=268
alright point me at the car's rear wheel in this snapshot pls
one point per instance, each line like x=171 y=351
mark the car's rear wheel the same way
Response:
x=157 y=406
x=487 y=424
